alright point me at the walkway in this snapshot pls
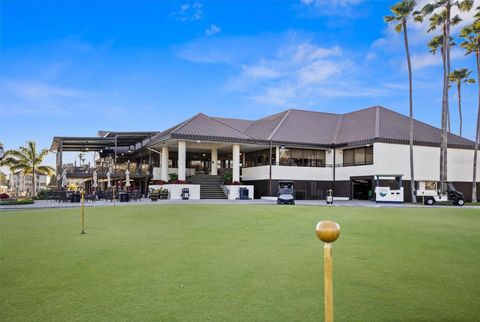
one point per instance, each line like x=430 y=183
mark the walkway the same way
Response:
x=45 y=204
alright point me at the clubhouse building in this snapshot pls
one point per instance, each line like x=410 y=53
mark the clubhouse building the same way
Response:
x=318 y=151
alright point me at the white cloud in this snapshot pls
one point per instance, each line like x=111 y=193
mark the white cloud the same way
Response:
x=309 y=52
x=35 y=90
x=420 y=61
x=212 y=30
x=370 y=56
x=260 y=72
x=337 y=3
x=332 y=7
x=294 y=70
x=189 y=12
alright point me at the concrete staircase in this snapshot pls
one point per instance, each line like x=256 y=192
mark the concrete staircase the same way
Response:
x=209 y=186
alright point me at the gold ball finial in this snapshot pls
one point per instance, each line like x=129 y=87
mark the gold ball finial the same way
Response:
x=328 y=231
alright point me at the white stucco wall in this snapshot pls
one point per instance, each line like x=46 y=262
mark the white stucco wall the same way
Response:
x=256 y=173
x=387 y=158
x=302 y=173
x=287 y=173
x=394 y=159
x=344 y=173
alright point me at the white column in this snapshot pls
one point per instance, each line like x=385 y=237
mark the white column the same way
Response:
x=164 y=173
x=277 y=155
x=236 y=162
x=182 y=160
x=214 y=157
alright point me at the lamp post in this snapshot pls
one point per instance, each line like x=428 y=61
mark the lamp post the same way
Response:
x=328 y=231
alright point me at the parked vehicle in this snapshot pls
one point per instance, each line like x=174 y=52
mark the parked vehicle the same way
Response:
x=429 y=193
x=286 y=193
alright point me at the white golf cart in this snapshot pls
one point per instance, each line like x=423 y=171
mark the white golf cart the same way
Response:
x=429 y=193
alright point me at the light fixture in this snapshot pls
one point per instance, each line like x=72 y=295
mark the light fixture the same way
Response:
x=203 y=154
x=198 y=141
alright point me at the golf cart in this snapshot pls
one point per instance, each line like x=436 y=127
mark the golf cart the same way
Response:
x=429 y=192
x=286 y=194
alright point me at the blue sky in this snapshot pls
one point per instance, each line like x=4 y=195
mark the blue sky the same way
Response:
x=72 y=68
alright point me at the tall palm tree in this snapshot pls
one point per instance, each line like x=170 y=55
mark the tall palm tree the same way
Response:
x=459 y=77
x=444 y=20
x=471 y=44
x=28 y=161
x=402 y=12
x=434 y=45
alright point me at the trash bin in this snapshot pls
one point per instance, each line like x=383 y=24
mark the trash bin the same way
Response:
x=123 y=196
x=243 y=194
x=185 y=193
x=329 y=196
x=75 y=197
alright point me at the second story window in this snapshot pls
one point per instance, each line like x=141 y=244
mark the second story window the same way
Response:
x=302 y=157
x=358 y=156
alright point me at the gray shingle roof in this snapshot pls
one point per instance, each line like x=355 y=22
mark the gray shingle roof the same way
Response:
x=238 y=124
x=307 y=128
x=313 y=128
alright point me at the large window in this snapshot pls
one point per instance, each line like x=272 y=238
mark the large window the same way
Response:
x=302 y=157
x=258 y=158
x=358 y=156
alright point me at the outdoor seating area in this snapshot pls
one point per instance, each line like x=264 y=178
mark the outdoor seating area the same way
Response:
x=98 y=195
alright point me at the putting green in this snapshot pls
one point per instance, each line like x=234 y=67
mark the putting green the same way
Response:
x=238 y=263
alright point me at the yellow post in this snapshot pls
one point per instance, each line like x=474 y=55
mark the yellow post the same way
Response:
x=328 y=281
x=328 y=231
x=83 y=214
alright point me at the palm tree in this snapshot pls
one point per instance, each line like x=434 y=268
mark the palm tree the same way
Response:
x=471 y=44
x=28 y=161
x=434 y=45
x=444 y=21
x=459 y=76
x=402 y=11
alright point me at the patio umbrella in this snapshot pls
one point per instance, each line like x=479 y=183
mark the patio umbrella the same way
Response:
x=127 y=178
x=95 y=179
x=64 y=178
x=109 y=183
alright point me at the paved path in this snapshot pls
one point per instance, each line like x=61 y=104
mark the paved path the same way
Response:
x=44 y=204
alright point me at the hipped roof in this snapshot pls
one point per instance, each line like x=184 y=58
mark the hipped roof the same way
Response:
x=300 y=127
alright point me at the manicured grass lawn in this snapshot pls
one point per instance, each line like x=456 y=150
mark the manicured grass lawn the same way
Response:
x=238 y=263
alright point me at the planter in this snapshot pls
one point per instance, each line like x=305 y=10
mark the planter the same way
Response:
x=154 y=196
x=175 y=190
x=163 y=195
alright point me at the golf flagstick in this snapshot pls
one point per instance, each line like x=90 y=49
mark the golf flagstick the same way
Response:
x=83 y=212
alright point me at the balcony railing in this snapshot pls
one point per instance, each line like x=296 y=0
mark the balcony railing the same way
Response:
x=119 y=169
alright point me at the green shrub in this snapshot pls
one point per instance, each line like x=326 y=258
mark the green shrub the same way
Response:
x=19 y=201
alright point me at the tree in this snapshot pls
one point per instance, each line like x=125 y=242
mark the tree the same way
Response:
x=28 y=161
x=434 y=45
x=458 y=77
x=471 y=44
x=402 y=11
x=444 y=20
